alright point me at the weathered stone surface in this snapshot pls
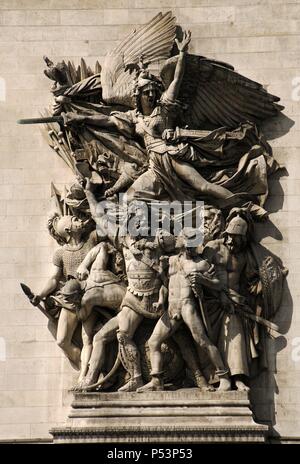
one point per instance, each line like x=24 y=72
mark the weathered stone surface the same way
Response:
x=179 y=416
x=259 y=39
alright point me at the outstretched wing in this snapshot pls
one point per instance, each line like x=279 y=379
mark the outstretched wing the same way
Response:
x=218 y=95
x=153 y=42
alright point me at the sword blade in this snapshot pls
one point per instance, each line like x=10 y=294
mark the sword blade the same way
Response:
x=58 y=119
x=30 y=295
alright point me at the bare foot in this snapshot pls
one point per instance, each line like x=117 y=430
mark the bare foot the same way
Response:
x=241 y=386
x=225 y=385
x=78 y=385
x=208 y=388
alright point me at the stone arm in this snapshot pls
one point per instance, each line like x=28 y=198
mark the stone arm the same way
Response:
x=83 y=269
x=210 y=253
x=173 y=89
x=104 y=228
x=212 y=282
x=50 y=285
x=123 y=183
x=162 y=299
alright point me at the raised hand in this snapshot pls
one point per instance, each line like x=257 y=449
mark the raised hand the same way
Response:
x=184 y=44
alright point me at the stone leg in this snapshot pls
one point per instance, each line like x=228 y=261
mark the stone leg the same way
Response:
x=106 y=334
x=162 y=331
x=129 y=321
x=191 y=318
x=190 y=357
x=67 y=324
x=88 y=327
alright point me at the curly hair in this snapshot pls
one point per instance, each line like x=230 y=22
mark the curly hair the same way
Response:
x=51 y=222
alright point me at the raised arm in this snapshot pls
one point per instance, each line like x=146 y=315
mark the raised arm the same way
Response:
x=83 y=269
x=174 y=87
x=105 y=228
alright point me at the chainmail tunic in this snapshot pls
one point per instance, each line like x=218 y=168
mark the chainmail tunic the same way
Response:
x=68 y=259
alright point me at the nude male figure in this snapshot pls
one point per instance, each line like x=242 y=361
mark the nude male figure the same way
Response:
x=102 y=289
x=183 y=307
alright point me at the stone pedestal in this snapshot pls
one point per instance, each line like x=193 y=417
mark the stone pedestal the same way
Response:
x=187 y=416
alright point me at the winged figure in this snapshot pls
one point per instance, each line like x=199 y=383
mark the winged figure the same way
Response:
x=158 y=123
x=220 y=154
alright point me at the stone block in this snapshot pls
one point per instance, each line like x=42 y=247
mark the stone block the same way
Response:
x=200 y=417
x=81 y=17
x=23 y=415
x=17 y=207
x=31 y=192
x=42 y=366
x=11 y=431
x=39 y=431
x=30 y=399
x=280 y=10
x=208 y=14
x=30 y=17
x=245 y=44
x=268 y=27
x=32 y=350
x=14 y=255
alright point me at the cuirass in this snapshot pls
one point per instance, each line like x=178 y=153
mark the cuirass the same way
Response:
x=153 y=125
x=140 y=284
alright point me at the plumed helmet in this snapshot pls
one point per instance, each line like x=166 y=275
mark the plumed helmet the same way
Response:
x=237 y=226
x=69 y=295
x=144 y=81
x=71 y=287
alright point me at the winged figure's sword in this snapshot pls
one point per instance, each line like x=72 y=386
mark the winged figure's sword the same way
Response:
x=58 y=119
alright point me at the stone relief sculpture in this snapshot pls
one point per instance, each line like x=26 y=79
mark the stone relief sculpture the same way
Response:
x=158 y=124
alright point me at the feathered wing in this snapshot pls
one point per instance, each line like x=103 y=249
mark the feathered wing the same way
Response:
x=153 y=42
x=81 y=72
x=218 y=95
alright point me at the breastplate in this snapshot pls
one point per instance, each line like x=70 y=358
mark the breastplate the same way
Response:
x=142 y=279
